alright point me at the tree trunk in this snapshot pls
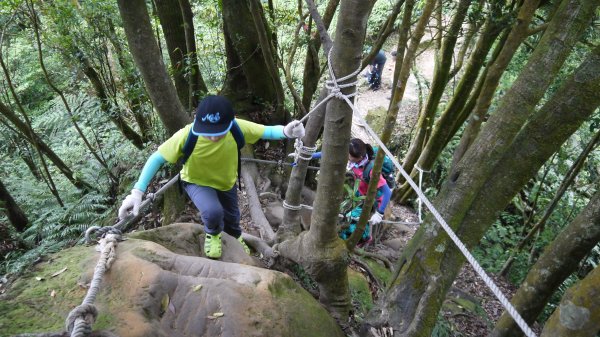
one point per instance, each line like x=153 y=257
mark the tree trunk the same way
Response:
x=144 y=48
x=319 y=250
x=508 y=152
x=197 y=85
x=514 y=40
x=15 y=214
x=560 y=259
x=438 y=84
x=442 y=133
x=312 y=67
x=112 y=113
x=171 y=21
x=252 y=74
x=43 y=147
x=578 y=314
x=291 y=225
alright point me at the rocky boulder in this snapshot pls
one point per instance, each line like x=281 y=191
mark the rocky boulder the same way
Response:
x=160 y=286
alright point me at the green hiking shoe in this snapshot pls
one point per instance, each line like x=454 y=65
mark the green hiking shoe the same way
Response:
x=244 y=245
x=212 y=246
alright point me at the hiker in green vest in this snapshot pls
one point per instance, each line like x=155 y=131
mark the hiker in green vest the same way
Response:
x=210 y=173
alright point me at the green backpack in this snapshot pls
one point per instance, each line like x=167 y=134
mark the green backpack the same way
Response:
x=388 y=170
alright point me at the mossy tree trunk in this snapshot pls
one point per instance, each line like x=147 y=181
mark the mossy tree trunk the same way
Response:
x=512 y=146
x=438 y=84
x=578 y=314
x=319 y=250
x=312 y=67
x=442 y=132
x=558 y=261
x=15 y=214
x=147 y=56
x=492 y=79
x=252 y=73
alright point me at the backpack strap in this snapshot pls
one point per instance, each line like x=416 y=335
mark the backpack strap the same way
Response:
x=366 y=176
x=188 y=148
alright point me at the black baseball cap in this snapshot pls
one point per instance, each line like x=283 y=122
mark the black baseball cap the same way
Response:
x=214 y=116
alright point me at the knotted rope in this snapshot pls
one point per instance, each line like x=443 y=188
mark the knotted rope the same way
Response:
x=80 y=320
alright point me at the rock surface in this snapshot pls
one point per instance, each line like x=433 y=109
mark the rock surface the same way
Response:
x=160 y=286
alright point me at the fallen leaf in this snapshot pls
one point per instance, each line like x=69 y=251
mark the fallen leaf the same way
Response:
x=59 y=272
x=39 y=278
x=196 y=288
x=215 y=315
x=164 y=304
x=172 y=308
x=53 y=293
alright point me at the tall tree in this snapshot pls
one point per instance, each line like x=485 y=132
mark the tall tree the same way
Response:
x=15 y=214
x=441 y=72
x=174 y=30
x=443 y=129
x=319 y=250
x=558 y=261
x=196 y=81
x=144 y=48
x=578 y=314
x=511 y=147
x=252 y=74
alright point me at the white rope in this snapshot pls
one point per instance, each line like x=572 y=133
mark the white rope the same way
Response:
x=302 y=152
x=335 y=91
x=296 y=207
x=419 y=201
x=80 y=320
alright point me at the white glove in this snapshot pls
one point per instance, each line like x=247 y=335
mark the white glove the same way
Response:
x=376 y=218
x=132 y=202
x=294 y=129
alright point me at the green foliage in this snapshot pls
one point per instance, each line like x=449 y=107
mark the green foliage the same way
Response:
x=443 y=328
x=351 y=196
x=303 y=277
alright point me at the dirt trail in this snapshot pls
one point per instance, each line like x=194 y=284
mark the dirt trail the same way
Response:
x=368 y=99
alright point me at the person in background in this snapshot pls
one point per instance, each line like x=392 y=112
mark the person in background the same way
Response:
x=209 y=176
x=376 y=70
x=360 y=155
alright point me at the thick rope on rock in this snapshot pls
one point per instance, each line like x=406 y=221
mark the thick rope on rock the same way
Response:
x=80 y=320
